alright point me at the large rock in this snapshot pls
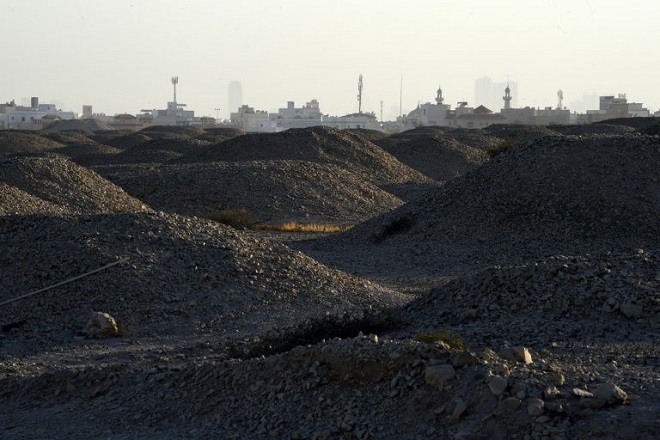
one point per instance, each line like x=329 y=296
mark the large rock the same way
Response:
x=101 y=325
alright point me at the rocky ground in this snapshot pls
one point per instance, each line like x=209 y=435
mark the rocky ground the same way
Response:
x=519 y=300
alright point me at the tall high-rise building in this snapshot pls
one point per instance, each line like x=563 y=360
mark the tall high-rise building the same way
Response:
x=491 y=94
x=235 y=96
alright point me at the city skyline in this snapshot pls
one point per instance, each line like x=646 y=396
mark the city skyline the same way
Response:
x=119 y=56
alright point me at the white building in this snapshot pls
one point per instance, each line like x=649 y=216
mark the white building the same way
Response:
x=252 y=121
x=35 y=117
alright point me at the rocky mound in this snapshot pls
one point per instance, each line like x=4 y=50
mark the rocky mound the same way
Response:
x=156 y=131
x=639 y=124
x=317 y=144
x=219 y=134
x=436 y=156
x=594 y=129
x=86 y=125
x=159 y=150
x=178 y=276
x=15 y=141
x=56 y=181
x=274 y=191
x=520 y=133
x=479 y=139
x=556 y=195
x=14 y=201
x=370 y=135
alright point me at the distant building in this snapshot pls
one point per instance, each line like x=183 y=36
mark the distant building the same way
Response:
x=35 y=117
x=612 y=107
x=235 y=96
x=489 y=93
x=251 y=120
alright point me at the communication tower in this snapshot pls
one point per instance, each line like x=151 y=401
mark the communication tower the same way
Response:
x=560 y=99
x=359 y=96
x=175 y=81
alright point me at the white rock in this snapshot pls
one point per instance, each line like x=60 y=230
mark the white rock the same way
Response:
x=101 y=325
x=516 y=354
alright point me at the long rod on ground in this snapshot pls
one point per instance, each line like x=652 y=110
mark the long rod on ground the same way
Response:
x=61 y=283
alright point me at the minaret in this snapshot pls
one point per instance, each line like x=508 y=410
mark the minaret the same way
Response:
x=507 y=97
x=439 y=99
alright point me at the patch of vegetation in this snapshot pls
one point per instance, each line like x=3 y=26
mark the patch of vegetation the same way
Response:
x=301 y=227
x=236 y=218
x=454 y=341
x=397 y=226
x=505 y=145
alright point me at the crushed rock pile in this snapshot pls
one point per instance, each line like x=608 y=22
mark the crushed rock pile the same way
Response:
x=274 y=191
x=594 y=129
x=178 y=276
x=555 y=195
x=520 y=133
x=53 y=184
x=436 y=155
x=340 y=388
x=479 y=139
x=85 y=125
x=317 y=144
x=15 y=141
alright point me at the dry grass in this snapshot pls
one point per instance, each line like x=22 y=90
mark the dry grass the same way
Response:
x=302 y=227
x=236 y=218
x=454 y=341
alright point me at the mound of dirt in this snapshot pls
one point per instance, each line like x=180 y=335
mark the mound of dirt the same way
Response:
x=15 y=141
x=479 y=139
x=317 y=144
x=219 y=134
x=639 y=124
x=274 y=191
x=156 y=131
x=520 y=133
x=370 y=135
x=178 y=277
x=56 y=181
x=86 y=125
x=594 y=129
x=556 y=195
x=436 y=156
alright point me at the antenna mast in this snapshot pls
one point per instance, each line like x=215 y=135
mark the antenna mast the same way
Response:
x=175 y=81
x=560 y=99
x=381 y=110
x=401 y=98
x=359 y=96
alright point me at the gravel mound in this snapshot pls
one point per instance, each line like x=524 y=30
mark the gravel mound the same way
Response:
x=178 y=276
x=165 y=130
x=436 y=156
x=219 y=134
x=639 y=124
x=520 y=133
x=59 y=182
x=86 y=125
x=14 y=201
x=556 y=195
x=159 y=150
x=370 y=135
x=274 y=191
x=479 y=139
x=317 y=144
x=594 y=129
x=14 y=141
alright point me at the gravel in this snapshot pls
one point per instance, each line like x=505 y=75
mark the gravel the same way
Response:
x=274 y=191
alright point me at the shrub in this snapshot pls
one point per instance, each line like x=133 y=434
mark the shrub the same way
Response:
x=236 y=218
x=454 y=341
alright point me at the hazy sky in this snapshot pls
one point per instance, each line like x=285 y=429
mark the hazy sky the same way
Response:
x=119 y=55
